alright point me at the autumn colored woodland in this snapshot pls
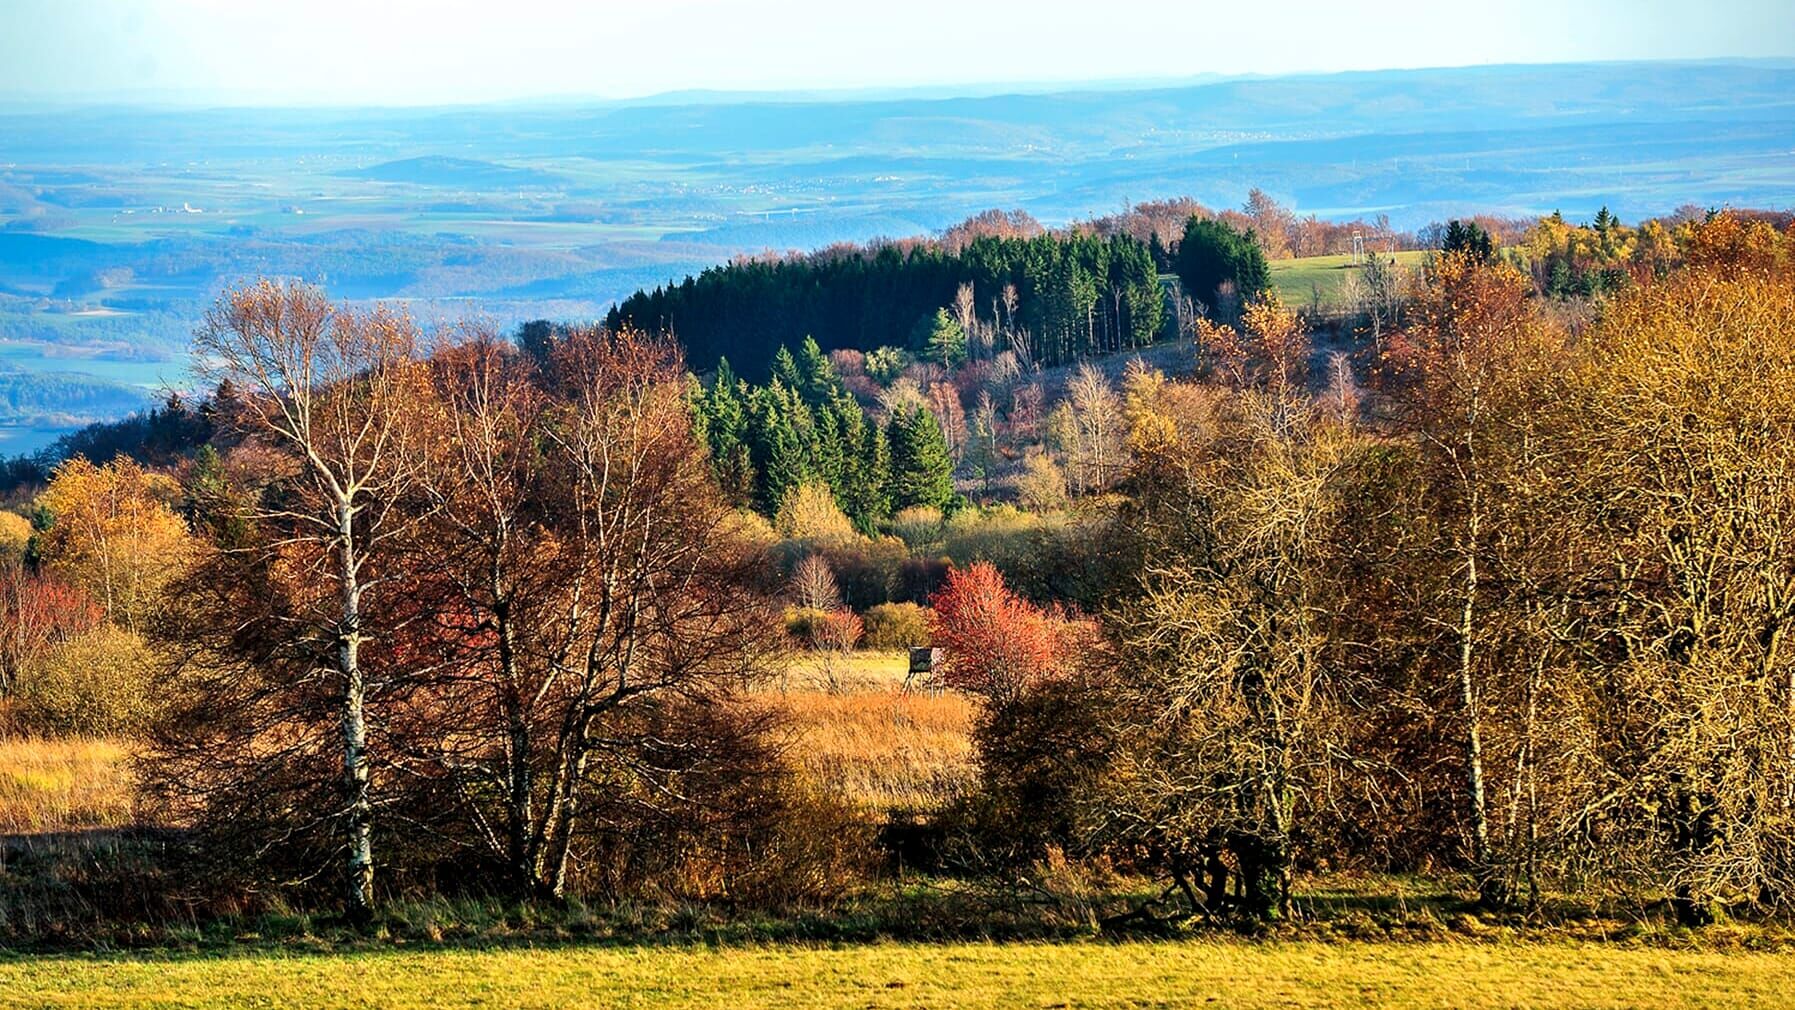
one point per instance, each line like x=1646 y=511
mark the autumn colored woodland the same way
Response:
x=1479 y=569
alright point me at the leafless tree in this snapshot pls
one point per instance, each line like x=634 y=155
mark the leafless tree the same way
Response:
x=335 y=390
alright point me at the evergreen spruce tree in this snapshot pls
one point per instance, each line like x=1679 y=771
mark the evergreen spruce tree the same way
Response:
x=1212 y=252
x=939 y=338
x=869 y=494
x=723 y=422
x=847 y=425
x=816 y=375
x=829 y=462
x=775 y=451
x=922 y=470
x=785 y=369
x=803 y=424
x=1161 y=259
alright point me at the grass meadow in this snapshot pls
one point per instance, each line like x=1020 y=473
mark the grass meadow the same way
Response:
x=1086 y=974
x=1302 y=281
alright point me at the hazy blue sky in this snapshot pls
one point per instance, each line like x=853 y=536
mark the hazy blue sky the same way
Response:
x=380 y=52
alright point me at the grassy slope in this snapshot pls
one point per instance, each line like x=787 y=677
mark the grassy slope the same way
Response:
x=1297 y=279
x=1183 y=973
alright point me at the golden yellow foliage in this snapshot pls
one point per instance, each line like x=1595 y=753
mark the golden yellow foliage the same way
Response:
x=114 y=534
x=809 y=513
x=15 y=534
x=1042 y=486
x=96 y=684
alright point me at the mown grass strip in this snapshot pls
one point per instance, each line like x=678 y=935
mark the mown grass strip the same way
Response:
x=970 y=975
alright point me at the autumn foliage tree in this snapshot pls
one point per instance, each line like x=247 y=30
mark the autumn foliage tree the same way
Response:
x=601 y=584
x=1468 y=375
x=993 y=642
x=1679 y=441
x=114 y=533
x=335 y=393
x=1228 y=682
x=503 y=588
x=38 y=613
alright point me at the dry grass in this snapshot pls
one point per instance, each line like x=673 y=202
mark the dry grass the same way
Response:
x=881 y=748
x=49 y=786
x=861 y=670
x=957 y=975
x=857 y=734
x=861 y=736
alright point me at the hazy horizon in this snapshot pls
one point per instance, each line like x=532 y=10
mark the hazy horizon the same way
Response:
x=410 y=54
x=871 y=93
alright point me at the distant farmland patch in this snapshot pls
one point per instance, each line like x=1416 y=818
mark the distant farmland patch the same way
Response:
x=458 y=173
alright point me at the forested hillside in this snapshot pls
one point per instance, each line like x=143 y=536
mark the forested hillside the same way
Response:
x=1071 y=294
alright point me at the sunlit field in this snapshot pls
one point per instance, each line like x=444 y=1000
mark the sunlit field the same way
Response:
x=51 y=786
x=968 y=975
x=1303 y=281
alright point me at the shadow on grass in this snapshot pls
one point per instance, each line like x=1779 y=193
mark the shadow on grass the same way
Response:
x=97 y=892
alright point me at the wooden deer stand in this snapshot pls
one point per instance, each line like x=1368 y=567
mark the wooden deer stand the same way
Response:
x=922 y=675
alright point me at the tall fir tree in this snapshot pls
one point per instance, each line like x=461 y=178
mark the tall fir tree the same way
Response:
x=785 y=369
x=723 y=419
x=816 y=375
x=869 y=494
x=776 y=452
x=922 y=470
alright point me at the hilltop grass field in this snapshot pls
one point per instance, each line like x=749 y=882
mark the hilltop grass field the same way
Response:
x=1320 y=278
x=1085 y=974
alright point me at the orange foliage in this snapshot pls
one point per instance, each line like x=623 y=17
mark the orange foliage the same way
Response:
x=993 y=642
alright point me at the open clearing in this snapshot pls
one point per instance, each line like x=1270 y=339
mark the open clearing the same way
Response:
x=1300 y=281
x=1170 y=974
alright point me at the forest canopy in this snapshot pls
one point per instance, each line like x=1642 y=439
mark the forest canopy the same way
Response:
x=1061 y=295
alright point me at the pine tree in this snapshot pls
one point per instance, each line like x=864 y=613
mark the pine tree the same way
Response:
x=816 y=375
x=939 y=338
x=829 y=463
x=869 y=494
x=922 y=471
x=1162 y=260
x=722 y=421
x=1212 y=252
x=785 y=369
x=776 y=453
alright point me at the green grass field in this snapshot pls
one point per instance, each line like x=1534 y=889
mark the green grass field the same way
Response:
x=1198 y=973
x=1299 y=280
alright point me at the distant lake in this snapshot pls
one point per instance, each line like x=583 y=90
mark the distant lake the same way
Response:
x=153 y=378
x=23 y=441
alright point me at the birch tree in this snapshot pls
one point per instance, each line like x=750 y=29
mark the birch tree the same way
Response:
x=335 y=390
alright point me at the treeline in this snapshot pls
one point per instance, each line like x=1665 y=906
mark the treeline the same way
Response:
x=1055 y=296
x=1503 y=593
